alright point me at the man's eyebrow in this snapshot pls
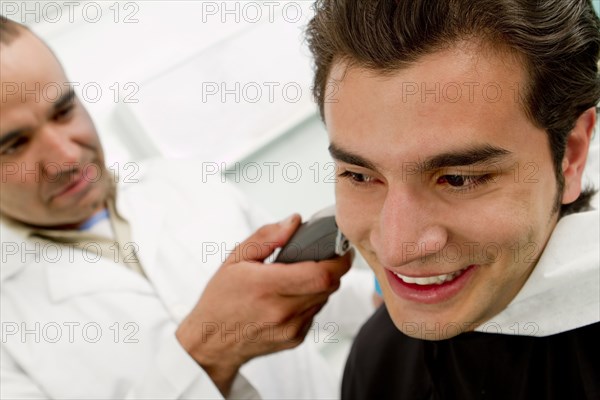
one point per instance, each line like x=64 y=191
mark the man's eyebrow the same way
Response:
x=350 y=158
x=475 y=155
x=64 y=100
x=471 y=156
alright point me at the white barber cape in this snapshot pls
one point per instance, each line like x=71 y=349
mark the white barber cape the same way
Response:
x=75 y=326
x=563 y=291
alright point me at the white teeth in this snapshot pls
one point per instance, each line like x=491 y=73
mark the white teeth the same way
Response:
x=430 y=280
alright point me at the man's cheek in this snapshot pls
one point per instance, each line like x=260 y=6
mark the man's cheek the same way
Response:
x=15 y=202
x=348 y=222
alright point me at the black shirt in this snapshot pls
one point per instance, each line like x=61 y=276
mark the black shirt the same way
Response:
x=386 y=364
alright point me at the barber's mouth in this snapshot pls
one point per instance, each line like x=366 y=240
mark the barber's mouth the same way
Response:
x=430 y=289
x=72 y=188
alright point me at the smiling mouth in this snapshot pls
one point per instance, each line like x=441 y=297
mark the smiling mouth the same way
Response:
x=65 y=188
x=431 y=280
x=77 y=183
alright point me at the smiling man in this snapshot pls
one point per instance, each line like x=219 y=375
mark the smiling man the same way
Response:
x=460 y=130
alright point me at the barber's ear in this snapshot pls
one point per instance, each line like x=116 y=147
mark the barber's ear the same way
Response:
x=576 y=153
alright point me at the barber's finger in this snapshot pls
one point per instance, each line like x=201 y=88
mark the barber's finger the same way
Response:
x=308 y=278
x=295 y=330
x=265 y=240
x=338 y=266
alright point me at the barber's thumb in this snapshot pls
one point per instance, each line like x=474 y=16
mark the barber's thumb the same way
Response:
x=265 y=240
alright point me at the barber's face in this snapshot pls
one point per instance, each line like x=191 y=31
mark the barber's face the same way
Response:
x=51 y=160
x=444 y=185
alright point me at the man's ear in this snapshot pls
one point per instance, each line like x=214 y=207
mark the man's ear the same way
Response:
x=576 y=152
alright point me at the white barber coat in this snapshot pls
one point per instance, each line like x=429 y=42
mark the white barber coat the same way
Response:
x=78 y=327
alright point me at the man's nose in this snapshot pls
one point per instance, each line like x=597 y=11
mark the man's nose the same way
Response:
x=59 y=153
x=409 y=229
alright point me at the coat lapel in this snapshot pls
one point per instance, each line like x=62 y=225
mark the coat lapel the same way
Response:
x=82 y=277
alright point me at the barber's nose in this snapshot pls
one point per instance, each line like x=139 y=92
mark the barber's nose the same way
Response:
x=409 y=228
x=59 y=153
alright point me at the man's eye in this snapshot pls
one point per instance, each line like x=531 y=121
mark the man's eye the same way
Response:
x=15 y=146
x=63 y=113
x=463 y=181
x=356 y=178
x=454 y=180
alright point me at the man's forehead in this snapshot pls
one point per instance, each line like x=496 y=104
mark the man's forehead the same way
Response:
x=461 y=75
x=31 y=77
x=27 y=58
x=463 y=59
x=32 y=81
x=442 y=104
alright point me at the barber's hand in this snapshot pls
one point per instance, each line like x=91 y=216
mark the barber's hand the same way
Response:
x=250 y=308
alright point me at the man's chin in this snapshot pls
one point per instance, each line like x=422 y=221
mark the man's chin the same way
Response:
x=82 y=208
x=70 y=223
x=428 y=328
x=69 y=217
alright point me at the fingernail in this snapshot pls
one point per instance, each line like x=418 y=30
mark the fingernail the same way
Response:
x=288 y=221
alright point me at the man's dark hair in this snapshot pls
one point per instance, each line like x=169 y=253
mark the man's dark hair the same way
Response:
x=558 y=42
x=9 y=30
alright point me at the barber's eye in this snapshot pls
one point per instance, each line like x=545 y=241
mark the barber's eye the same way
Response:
x=15 y=146
x=63 y=113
